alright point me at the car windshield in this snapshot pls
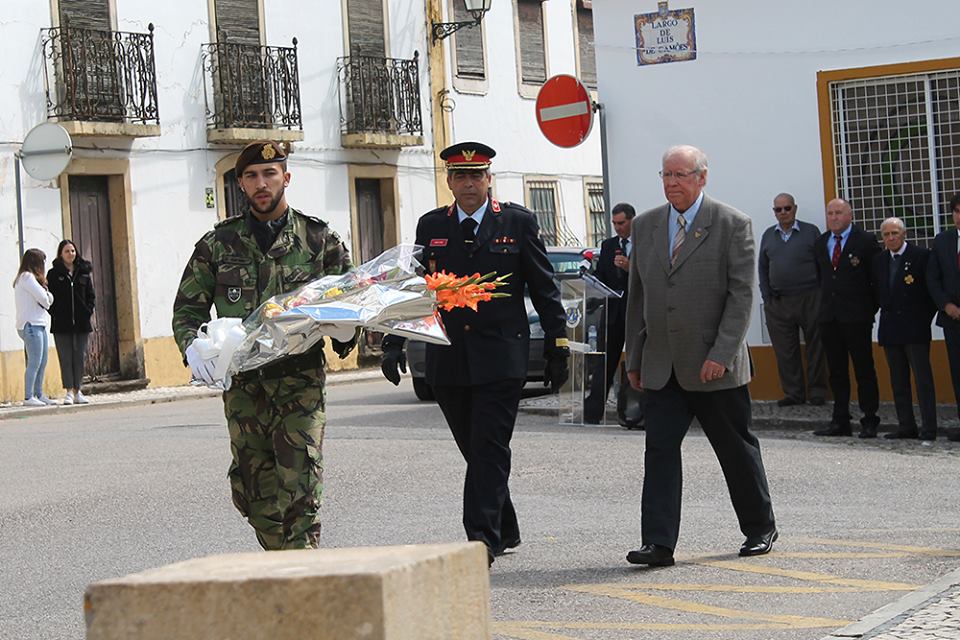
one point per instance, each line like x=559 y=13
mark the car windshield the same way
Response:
x=565 y=262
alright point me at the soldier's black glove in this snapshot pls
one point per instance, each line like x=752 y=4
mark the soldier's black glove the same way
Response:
x=556 y=371
x=393 y=361
x=343 y=349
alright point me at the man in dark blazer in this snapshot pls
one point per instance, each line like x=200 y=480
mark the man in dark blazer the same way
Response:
x=689 y=307
x=848 y=305
x=943 y=282
x=613 y=269
x=477 y=379
x=906 y=311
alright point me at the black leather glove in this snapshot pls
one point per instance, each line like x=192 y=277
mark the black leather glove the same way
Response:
x=556 y=370
x=343 y=349
x=393 y=360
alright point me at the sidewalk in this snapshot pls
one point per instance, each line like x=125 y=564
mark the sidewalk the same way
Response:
x=156 y=395
x=767 y=415
x=932 y=613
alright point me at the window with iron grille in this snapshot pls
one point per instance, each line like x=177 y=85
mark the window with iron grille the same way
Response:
x=468 y=45
x=585 y=52
x=533 y=53
x=542 y=200
x=896 y=145
x=596 y=214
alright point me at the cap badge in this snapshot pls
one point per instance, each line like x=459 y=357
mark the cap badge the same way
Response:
x=268 y=152
x=468 y=155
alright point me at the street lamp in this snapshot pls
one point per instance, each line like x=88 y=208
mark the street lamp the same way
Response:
x=475 y=8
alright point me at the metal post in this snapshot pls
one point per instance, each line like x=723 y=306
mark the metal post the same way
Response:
x=16 y=172
x=598 y=108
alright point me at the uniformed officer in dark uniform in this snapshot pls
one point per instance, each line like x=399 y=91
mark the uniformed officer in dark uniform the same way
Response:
x=478 y=378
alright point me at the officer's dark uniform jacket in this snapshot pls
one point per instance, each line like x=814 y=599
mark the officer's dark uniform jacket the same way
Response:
x=229 y=271
x=493 y=343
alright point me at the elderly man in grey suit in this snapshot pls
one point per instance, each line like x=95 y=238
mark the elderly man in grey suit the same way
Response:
x=691 y=293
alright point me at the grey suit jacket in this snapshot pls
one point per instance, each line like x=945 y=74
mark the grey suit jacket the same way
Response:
x=697 y=310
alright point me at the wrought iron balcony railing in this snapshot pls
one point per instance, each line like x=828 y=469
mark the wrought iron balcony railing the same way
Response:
x=100 y=76
x=380 y=95
x=249 y=86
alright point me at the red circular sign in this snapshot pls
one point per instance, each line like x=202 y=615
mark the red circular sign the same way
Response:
x=564 y=111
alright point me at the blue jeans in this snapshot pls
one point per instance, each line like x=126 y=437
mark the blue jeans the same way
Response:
x=35 y=343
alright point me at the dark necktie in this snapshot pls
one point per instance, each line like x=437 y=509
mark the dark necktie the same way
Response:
x=469 y=230
x=894 y=265
x=835 y=259
x=623 y=245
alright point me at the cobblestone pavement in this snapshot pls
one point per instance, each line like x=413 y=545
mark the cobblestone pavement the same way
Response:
x=932 y=613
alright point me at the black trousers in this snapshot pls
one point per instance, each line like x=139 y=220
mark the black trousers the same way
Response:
x=853 y=340
x=951 y=338
x=481 y=418
x=613 y=333
x=725 y=418
x=902 y=358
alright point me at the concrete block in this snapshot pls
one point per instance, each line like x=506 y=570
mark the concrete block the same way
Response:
x=415 y=592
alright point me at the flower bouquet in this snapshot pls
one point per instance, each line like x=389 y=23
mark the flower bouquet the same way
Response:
x=385 y=294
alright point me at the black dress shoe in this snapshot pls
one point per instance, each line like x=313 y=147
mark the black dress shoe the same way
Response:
x=834 y=429
x=788 y=402
x=506 y=545
x=867 y=432
x=759 y=545
x=954 y=436
x=929 y=436
x=653 y=555
x=901 y=435
x=817 y=402
x=490 y=558
x=631 y=426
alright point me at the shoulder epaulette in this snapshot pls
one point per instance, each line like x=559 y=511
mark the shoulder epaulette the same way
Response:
x=228 y=221
x=310 y=218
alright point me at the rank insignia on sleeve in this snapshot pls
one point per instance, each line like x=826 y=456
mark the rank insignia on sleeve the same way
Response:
x=438 y=242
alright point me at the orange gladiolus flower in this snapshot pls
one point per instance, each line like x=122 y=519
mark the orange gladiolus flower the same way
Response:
x=456 y=292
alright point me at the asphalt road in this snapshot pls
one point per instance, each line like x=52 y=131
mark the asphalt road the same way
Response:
x=113 y=491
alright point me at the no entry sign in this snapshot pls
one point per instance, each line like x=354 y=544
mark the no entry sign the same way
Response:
x=564 y=111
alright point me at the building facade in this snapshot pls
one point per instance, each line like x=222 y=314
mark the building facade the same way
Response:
x=158 y=107
x=859 y=100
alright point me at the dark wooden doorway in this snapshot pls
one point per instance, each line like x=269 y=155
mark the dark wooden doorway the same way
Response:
x=369 y=219
x=90 y=224
x=235 y=203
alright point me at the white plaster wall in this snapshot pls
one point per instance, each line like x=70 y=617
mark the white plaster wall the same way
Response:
x=169 y=173
x=507 y=122
x=750 y=99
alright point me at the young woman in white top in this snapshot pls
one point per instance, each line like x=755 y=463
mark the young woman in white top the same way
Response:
x=32 y=301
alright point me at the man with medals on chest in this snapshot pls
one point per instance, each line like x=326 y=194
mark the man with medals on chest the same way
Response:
x=478 y=378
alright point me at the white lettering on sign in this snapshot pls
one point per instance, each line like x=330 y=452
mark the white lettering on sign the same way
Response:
x=563 y=111
x=665 y=37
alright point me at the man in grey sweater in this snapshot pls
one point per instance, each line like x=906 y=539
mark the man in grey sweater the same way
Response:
x=791 y=299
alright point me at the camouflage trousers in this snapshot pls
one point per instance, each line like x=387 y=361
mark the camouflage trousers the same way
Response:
x=276 y=437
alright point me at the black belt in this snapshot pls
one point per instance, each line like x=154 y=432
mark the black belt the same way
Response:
x=313 y=359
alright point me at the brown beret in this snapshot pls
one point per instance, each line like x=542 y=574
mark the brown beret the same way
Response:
x=259 y=152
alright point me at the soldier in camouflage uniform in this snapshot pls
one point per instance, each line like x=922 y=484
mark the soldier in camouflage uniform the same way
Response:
x=275 y=414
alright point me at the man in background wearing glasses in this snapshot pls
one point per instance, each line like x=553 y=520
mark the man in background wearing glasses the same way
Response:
x=787 y=267
x=692 y=279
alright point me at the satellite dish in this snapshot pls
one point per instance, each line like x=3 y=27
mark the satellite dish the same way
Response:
x=46 y=151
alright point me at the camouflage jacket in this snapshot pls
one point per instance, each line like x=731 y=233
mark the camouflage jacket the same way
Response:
x=227 y=269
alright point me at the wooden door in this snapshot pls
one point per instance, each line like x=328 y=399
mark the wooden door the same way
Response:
x=91 y=76
x=90 y=221
x=235 y=203
x=369 y=219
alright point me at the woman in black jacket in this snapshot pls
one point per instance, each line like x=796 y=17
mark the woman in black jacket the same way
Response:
x=71 y=284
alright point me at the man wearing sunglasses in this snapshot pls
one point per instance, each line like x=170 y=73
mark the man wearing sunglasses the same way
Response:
x=787 y=267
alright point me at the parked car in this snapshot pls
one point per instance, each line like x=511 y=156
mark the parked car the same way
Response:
x=566 y=262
